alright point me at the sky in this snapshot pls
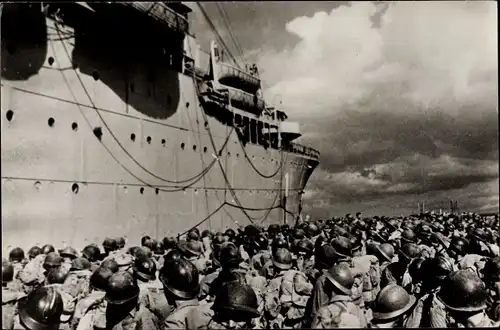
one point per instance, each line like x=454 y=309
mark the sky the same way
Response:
x=400 y=98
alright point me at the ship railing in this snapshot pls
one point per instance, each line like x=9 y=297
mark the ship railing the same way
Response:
x=300 y=149
x=162 y=13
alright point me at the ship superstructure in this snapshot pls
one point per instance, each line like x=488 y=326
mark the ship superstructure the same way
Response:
x=115 y=122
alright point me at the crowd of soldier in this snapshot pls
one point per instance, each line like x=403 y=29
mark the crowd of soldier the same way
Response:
x=418 y=271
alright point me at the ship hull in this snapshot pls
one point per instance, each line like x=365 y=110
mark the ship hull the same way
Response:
x=92 y=147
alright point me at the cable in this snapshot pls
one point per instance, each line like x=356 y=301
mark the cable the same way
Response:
x=204 y=171
x=205 y=219
x=229 y=28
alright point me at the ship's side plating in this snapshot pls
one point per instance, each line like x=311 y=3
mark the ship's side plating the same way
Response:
x=103 y=134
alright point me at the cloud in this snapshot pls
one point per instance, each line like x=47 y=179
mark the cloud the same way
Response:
x=400 y=98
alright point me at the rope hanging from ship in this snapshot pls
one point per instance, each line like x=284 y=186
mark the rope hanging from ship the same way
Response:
x=196 y=177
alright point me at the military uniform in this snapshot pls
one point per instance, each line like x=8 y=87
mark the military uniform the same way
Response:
x=68 y=305
x=189 y=314
x=9 y=307
x=152 y=297
x=77 y=283
x=90 y=312
x=340 y=312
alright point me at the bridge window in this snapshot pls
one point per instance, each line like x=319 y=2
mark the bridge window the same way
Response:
x=253 y=131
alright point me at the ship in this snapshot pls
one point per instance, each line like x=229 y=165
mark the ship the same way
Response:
x=116 y=123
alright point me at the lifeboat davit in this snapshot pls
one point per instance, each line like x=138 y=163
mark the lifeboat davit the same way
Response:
x=246 y=101
x=230 y=75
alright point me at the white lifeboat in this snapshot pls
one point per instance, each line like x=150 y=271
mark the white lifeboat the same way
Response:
x=232 y=76
x=245 y=101
x=289 y=130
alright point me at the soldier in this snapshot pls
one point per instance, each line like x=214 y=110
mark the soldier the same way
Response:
x=120 y=243
x=94 y=303
x=369 y=266
x=193 y=251
x=10 y=297
x=206 y=239
x=491 y=278
x=55 y=279
x=305 y=255
x=52 y=260
x=16 y=257
x=393 y=308
x=262 y=255
x=287 y=293
x=77 y=282
x=464 y=296
x=458 y=248
x=180 y=280
x=341 y=311
x=33 y=252
x=109 y=246
x=47 y=248
x=151 y=294
x=397 y=272
x=93 y=254
x=169 y=243
x=68 y=254
x=235 y=307
x=41 y=309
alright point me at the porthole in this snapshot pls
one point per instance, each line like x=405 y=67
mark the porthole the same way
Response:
x=98 y=133
x=75 y=188
x=74 y=126
x=228 y=154
x=125 y=189
x=95 y=75
x=157 y=191
x=220 y=153
x=51 y=60
x=148 y=139
x=206 y=124
x=51 y=122
x=194 y=148
x=142 y=190
x=187 y=104
x=205 y=149
x=37 y=185
x=182 y=145
x=163 y=142
x=9 y=115
x=132 y=137
x=237 y=155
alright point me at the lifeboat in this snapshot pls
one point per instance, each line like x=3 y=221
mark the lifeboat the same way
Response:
x=246 y=101
x=232 y=76
x=289 y=130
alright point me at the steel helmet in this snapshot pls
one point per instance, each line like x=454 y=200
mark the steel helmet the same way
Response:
x=169 y=243
x=41 y=309
x=342 y=246
x=236 y=300
x=16 y=254
x=341 y=277
x=459 y=245
x=206 y=233
x=111 y=264
x=392 y=301
x=144 y=240
x=194 y=248
x=408 y=236
x=100 y=277
x=306 y=246
x=121 y=288
x=229 y=255
x=7 y=271
x=385 y=252
x=120 y=242
x=230 y=233
x=34 y=251
x=463 y=291
x=298 y=233
x=109 y=244
x=79 y=264
x=442 y=267
x=409 y=251
x=280 y=242
x=282 y=259
x=261 y=243
x=68 y=252
x=417 y=268
x=47 y=248
x=57 y=275
x=180 y=278
x=92 y=253
x=52 y=260
x=172 y=255
x=325 y=256
x=145 y=269
x=193 y=236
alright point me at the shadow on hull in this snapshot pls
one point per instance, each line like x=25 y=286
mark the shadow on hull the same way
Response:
x=24 y=40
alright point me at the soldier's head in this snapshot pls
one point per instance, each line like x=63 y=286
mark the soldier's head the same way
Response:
x=100 y=277
x=392 y=304
x=191 y=249
x=122 y=292
x=7 y=272
x=111 y=264
x=109 y=245
x=16 y=255
x=408 y=252
x=57 y=275
x=120 y=242
x=325 y=257
x=463 y=294
x=80 y=264
x=180 y=280
x=458 y=247
x=235 y=306
x=282 y=260
x=52 y=260
x=343 y=247
x=491 y=271
x=92 y=253
x=169 y=243
x=304 y=247
x=33 y=252
x=385 y=252
x=193 y=236
x=47 y=248
x=144 y=240
x=341 y=279
x=144 y=270
x=229 y=256
x=68 y=254
x=41 y=309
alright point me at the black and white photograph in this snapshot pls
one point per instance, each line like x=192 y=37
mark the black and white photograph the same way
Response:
x=249 y=165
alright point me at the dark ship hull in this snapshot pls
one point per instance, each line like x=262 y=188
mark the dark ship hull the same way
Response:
x=104 y=133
